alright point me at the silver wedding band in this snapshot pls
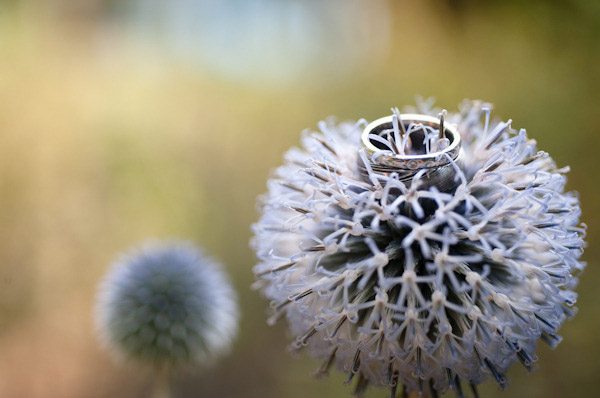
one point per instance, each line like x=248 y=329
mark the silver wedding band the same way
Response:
x=437 y=163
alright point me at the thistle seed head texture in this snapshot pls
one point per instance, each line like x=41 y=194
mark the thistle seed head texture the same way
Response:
x=167 y=305
x=410 y=266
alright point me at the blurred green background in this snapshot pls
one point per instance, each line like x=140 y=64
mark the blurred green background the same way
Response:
x=124 y=120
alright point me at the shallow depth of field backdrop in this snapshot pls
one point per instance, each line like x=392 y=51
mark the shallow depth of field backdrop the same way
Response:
x=123 y=120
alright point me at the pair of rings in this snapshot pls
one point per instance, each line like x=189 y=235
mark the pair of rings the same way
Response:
x=424 y=152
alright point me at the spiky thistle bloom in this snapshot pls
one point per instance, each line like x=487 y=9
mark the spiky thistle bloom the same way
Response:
x=167 y=305
x=424 y=278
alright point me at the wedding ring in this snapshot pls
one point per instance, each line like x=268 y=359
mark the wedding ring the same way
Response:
x=408 y=143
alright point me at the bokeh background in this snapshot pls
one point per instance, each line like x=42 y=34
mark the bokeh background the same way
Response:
x=126 y=120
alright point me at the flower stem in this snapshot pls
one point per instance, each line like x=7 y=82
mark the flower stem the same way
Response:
x=162 y=384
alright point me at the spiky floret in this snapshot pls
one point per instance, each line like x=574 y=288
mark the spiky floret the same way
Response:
x=405 y=283
x=167 y=305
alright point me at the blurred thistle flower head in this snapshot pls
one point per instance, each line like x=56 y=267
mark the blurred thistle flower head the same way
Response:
x=425 y=278
x=167 y=305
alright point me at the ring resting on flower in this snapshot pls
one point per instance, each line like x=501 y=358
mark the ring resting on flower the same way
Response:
x=414 y=259
x=406 y=144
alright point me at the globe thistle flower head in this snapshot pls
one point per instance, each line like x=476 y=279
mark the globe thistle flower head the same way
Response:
x=167 y=305
x=430 y=250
